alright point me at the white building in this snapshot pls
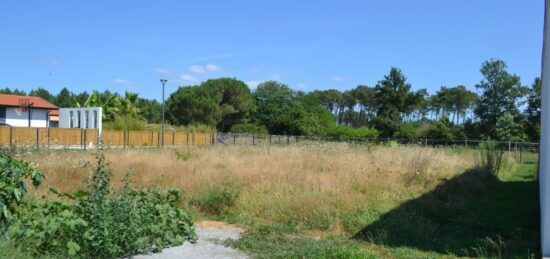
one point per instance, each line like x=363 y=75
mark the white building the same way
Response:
x=84 y=118
x=26 y=111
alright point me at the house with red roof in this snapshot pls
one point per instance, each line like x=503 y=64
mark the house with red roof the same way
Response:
x=27 y=111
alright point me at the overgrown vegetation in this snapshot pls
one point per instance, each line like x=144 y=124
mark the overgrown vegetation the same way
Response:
x=99 y=222
x=490 y=156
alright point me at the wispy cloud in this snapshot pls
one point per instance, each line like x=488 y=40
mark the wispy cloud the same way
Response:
x=50 y=62
x=301 y=86
x=338 y=79
x=121 y=82
x=199 y=69
x=186 y=78
x=162 y=70
x=253 y=84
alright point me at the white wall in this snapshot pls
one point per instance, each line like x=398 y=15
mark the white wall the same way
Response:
x=21 y=118
x=80 y=116
x=544 y=155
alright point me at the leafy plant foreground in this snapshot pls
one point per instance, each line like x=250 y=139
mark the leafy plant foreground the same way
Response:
x=96 y=223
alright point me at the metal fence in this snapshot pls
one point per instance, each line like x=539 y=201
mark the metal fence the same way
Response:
x=87 y=138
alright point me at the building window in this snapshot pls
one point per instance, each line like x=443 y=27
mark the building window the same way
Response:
x=2 y=113
x=78 y=119
x=87 y=119
x=95 y=119
x=71 y=115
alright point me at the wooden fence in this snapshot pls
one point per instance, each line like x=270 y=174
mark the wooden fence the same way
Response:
x=61 y=137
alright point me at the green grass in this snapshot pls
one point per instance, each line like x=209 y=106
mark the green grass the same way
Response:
x=474 y=215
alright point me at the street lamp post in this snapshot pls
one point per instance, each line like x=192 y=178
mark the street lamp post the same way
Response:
x=163 y=82
x=544 y=154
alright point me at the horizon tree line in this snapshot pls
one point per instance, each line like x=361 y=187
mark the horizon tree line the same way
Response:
x=503 y=108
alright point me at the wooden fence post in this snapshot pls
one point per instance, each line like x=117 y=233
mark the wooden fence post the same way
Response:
x=269 y=139
x=85 y=138
x=49 y=137
x=158 y=138
x=11 y=136
x=173 y=138
x=187 y=140
x=234 y=138
x=253 y=139
x=37 y=139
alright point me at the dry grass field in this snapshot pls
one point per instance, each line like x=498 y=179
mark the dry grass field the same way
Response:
x=322 y=191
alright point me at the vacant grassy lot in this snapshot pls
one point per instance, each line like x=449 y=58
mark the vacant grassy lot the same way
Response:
x=335 y=200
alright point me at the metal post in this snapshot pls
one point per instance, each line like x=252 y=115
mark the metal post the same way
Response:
x=85 y=139
x=544 y=155
x=37 y=139
x=49 y=137
x=253 y=139
x=269 y=139
x=234 y=138
x=163 y=81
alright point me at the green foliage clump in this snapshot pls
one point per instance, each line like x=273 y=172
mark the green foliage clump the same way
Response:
x=248 y=128
x=269 y=245
x=490 y=156
x=125 y=122
x=218 y=199
x=13 y=189
x=101 y=222
x=440 y=130
x=343 y=132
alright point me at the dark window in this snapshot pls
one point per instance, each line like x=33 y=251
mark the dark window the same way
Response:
x=2 y=112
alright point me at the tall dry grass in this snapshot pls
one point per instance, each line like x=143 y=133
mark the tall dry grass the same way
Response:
x=313 y=187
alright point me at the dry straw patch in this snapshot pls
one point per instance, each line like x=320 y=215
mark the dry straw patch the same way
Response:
x=315 y=186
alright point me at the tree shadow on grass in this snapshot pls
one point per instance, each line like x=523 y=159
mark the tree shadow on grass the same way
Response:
x=472 y=214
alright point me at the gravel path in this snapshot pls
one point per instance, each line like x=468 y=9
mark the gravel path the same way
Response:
x=209 y=245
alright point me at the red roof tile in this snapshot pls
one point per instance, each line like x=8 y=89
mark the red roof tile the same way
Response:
x=14 y=101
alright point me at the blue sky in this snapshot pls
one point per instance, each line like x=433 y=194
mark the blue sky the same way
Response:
x=129 y=45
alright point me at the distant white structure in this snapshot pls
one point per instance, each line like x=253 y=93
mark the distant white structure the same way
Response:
x=83 y=118
x=26 y=111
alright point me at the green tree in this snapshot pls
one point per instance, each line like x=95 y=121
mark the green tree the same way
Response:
x=64 y=99
x=43 y=93
x=393 y=95
x=508 y=129
x=533 y=110
x=219 y=102
x=501 y=92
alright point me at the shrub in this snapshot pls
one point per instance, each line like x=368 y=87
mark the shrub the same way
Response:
x=102 y=222
x=346 y=132
x=125 y=122
x=248 y=128
x=13 y=189
x=218 y=199
x=490 y=156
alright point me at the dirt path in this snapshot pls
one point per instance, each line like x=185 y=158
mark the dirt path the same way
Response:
x=209 y=245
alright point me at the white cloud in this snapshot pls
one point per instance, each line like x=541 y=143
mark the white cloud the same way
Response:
x=121 y=82
x=198 y=69
x=212 y=68
x=338 y=79
x=253 y=84
x=162 y=70
x=301 y=85
x=185 y=78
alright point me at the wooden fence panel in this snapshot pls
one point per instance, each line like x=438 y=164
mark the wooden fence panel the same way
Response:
x=65 y=137
x=142 y=138
x=4 y=135
x=182 y=138
x=113 y=138
x=24 y=136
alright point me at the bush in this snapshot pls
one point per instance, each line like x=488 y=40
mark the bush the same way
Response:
x=345 y=132
x=218 y=199
x=125 y=122
x=101 y=222
x=490 y=156
x=249 y=128
x=13 y=189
